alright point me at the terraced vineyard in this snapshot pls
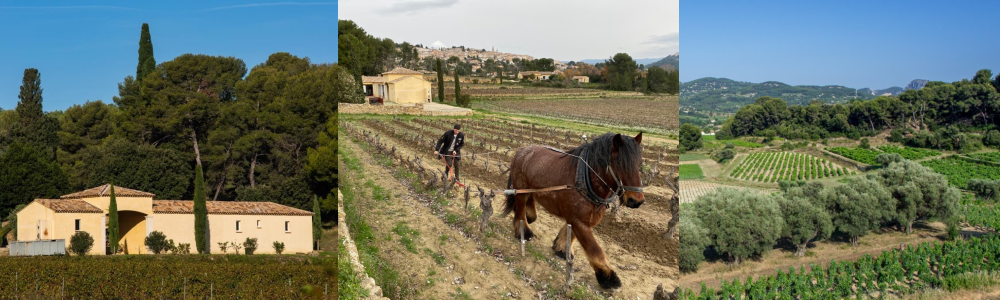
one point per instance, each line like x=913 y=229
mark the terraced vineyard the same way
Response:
x=867 y=156
x=959 y=170
x=771 y=167
x=987 y=156
x=433 y=232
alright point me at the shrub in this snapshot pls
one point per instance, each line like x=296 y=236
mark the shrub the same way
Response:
x=992 y=139
x=183 y=248
x=724 y=155
x=865 y=144
x=250 y=246
x=236 y=247
x=224 y=246
x=80 y=243
x=278 y=247
x=157 y=242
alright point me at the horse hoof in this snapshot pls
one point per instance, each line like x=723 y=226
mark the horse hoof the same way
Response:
x=531 y=219
x=609 y=281
x=528 y=235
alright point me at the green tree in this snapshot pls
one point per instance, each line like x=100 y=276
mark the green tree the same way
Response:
x=804 y=222
x=458 y=88
x=920 y=193
x=743 y=224
x=690 y=137
x=694 y=240
x=865 y=144
x=621 y=71
x=146 y=61
x=858 y=207
x=113 y=228
x=27 y=174
x=158 y=170
x=322 y=168
x=157 y=242
x=200 y=212
x=317 y=223
x=32 y=127
x=440 y=81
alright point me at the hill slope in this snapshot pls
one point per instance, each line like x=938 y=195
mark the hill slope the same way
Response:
x=727 y=95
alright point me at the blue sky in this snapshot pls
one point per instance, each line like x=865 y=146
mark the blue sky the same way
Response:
x=858 y=44
x=83 y=49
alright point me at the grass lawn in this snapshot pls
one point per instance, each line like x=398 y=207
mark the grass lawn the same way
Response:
x=691 y=171
x=708 y=138
x=693 y=156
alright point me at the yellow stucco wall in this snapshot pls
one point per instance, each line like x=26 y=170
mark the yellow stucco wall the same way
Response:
x=132 y=232
x=410 y=90
x=59 y=225
x=222 y=228
x=139 y=204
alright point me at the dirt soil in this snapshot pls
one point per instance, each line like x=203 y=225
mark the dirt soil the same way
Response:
x=491 y=265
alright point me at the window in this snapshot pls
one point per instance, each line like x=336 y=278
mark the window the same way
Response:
x=258 y=223
x=237 y=226
x=286 y=226
x=77 y=225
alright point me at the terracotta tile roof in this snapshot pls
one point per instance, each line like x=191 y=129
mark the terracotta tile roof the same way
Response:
x=105 y=190
x=402 y=71
x=69 y=205
x=227 y=208
x=372 y=79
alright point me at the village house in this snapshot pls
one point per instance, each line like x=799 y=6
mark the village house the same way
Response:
x=400 y=85
x=537 y=74
x=139 y=215
x=581 y=79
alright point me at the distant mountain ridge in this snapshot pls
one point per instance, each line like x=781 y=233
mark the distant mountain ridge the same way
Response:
x=727 y=95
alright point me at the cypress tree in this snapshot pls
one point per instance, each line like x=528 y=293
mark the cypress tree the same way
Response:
x=500 y=75
x=200 y=212
x=458 y=90
x=440 y=70
x=113 y=221
x=146 y=61
x=317 y=222
x=32 y=127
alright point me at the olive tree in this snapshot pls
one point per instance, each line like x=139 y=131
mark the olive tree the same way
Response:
x=693 y=240
x=804 y=222
x=858 y=207
x=984 y=188
x=919 y=192
x=743 y=224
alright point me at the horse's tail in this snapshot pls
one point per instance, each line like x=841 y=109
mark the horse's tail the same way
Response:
x=508 y=206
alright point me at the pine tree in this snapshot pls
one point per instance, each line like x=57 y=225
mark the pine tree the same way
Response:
x=113 y=221
x=317 y=222
x=200 y=212
x=440 y=71
x=146 y=61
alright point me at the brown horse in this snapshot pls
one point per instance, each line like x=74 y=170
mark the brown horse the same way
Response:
x=613 y=164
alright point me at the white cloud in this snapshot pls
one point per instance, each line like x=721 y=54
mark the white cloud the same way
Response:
x=413 y=6
x=437 y=44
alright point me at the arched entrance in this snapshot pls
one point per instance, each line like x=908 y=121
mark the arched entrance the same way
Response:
x=132 y=231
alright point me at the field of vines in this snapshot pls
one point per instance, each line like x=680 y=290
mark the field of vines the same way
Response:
x=692 y=189
x=867 y=156
x=771 y=167
x=959 y=170
x=651 y=115
x=894 y=272
x=403 y=147
x=987 y=156
x=167 y=276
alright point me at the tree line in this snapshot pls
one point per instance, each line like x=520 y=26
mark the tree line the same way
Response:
x=737 y=225
x=959 y=107
x=264 y=134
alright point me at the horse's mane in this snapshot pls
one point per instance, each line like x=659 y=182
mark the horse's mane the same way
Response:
x=599 y=156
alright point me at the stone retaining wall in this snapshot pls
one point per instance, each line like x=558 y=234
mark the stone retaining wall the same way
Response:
x=352 y=251
x=347 y=108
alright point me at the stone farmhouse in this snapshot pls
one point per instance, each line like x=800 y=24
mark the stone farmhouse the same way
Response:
x=400 y=85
